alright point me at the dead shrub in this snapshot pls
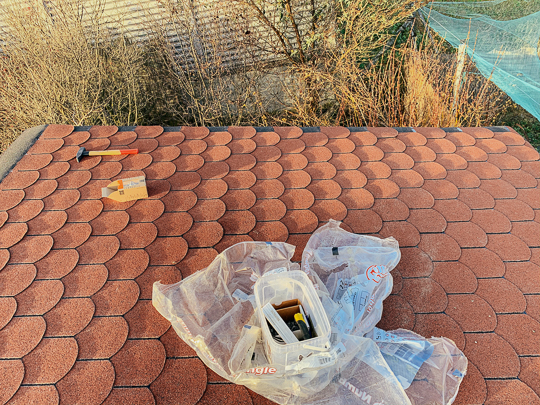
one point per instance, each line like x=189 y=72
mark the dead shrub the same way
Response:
x=64 y=65
x=410 y=85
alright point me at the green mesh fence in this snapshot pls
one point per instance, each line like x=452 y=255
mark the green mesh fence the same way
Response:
x=503 y=40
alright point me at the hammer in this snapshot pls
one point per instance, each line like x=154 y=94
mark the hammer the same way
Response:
x=83 y=152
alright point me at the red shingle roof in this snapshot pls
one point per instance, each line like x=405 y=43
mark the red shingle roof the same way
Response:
x=76 y=271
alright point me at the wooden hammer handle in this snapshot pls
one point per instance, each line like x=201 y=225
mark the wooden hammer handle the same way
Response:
x=113 y=152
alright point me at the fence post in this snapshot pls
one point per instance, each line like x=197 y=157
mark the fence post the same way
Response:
x=458 y=75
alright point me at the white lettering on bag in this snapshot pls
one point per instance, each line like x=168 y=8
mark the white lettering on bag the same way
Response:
x=364 y=396
x=261 y=370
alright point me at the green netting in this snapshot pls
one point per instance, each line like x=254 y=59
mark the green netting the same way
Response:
x=504 y=39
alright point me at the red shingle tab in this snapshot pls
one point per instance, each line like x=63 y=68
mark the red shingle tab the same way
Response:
x=182 y=381
x=473 y=388
x=35 y=394
x=57 y=264
x=84 y=281
x=391 y=209
x=440 y=325
x=502 y=295
x=467 y=234
x=12 y=233
x=389 y=145
x=510 y=392
x=406 y=234
x=139 y=362
x=102 y=132
x=116 y=297
x=424 y=295
x=441 y=189
x=454 y=277
x=144 y=322
x=414 y=263
x=11 y=374
x=51 y=360
x=398 y=313
x=40 y=297
x=88 y=382
x=509 y=247
x=102 y=338
x=8 y=307
x=427 y=220
x=15 y=278
x=493 y=356
x=20 y=337
x=416 y=198
x=363 y=138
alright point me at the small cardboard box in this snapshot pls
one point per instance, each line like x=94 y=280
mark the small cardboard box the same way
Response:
x=287 y=310
x=124 y=190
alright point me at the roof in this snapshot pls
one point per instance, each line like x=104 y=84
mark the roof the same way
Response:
x=77 y=325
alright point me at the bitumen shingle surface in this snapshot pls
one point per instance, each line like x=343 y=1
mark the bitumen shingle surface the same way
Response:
x=77 y=325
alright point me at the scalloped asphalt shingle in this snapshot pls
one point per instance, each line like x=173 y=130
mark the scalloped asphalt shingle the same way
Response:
x=77 y=324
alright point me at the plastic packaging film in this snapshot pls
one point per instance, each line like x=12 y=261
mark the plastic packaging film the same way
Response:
x=341 y=284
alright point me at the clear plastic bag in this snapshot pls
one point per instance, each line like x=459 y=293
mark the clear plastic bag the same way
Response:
x=213 y=311
x=218 y=311
x=202 y=309
x=430 y=370
x=353 y=275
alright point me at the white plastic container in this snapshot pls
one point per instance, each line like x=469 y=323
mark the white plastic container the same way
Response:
x=276 y=288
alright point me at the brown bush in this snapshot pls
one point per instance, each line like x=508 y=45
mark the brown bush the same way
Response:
x=63 y=65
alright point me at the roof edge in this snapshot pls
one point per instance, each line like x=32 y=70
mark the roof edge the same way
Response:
x=18 y=149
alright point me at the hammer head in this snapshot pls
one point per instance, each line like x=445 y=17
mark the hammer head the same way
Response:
x=80 y=154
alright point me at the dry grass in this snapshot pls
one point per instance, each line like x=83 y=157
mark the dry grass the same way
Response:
x=68 y=68
x=203 y=85
x=411 y=85
x=415 y=87
x=299 y=62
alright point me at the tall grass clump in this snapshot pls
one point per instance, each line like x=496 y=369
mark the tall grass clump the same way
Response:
x=63 y=64
x=400 y=75
x=420 y=85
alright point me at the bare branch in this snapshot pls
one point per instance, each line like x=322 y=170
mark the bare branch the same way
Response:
x=391 y=41
x=296 y=32
x=282 y=38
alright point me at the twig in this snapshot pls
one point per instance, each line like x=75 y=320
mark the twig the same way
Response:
x=297 y=33
x=264 y=19
x=426 y=26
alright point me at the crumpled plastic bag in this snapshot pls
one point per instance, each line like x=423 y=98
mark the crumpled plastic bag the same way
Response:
x=202 y=309
x=215 y=311
x=359 y=374
x=430 y=370
x=352 y=273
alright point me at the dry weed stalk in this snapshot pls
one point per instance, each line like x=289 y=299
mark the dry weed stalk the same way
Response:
x=438 y=95
x=412 y=85
x=210 y=68
x=259 y=62
x=327 y=44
